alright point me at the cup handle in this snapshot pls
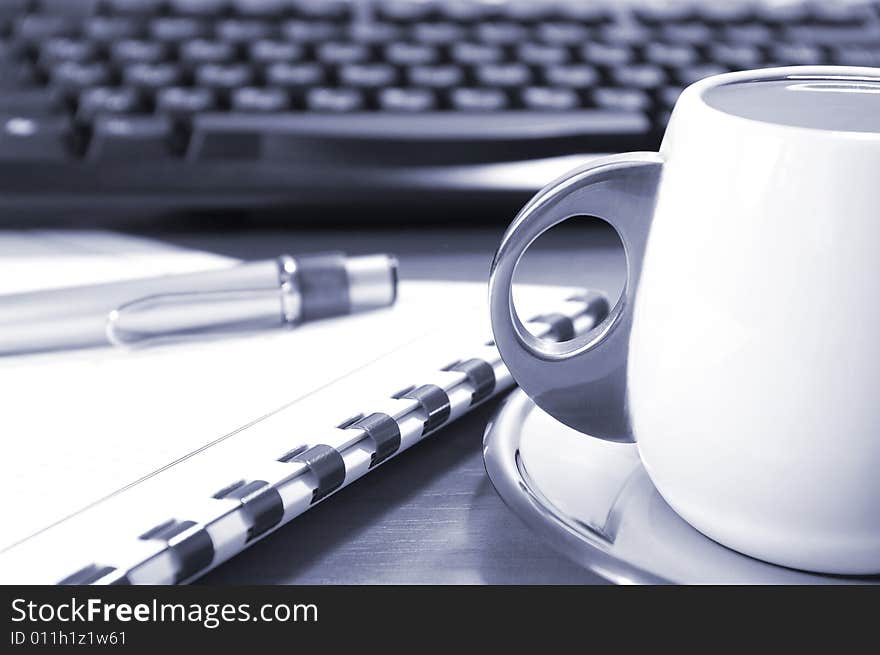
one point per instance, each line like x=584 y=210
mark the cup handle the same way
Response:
x=581 y=382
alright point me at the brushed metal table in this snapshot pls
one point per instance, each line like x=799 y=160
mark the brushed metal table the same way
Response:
x=431 y=515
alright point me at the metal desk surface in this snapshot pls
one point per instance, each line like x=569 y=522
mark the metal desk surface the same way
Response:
x=431 y=515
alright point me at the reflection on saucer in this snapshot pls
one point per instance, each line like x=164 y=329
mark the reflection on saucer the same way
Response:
x=593 y=501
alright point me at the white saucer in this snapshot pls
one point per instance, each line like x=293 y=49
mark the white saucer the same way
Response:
x=592 y=501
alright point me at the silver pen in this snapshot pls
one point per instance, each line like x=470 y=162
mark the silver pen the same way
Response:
x=248 y=296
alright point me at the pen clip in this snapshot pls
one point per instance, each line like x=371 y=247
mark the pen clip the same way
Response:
x=180 y=315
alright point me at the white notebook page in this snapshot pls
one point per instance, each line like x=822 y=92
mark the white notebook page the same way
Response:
x=80 y=426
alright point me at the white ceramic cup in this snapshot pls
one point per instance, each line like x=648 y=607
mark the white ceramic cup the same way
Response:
x=743 y=356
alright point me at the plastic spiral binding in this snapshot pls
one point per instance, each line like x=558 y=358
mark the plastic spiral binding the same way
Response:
x=250 y=508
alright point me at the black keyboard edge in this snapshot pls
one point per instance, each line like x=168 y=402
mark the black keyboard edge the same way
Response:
x=218 y=159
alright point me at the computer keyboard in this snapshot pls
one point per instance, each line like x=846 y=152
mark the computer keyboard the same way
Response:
x=220 y=104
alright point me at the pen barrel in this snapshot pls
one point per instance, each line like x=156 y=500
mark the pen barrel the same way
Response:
x=372 y=281
x=101 y=299
x=76 y=317
x=187 y=314
x=247 y=296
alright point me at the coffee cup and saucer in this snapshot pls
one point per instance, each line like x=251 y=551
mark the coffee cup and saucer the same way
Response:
x=722 y=423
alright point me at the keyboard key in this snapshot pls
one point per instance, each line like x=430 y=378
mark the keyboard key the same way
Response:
x=687 y=33
x=690 y=74
x=607 y=55
x=204 y=51
x=336 y=10
x=501 y=33
x=464 y=11
x=478 y=99
x=575 y=76
x=625 y=34
x=410 y=54
x=407 y=100
x=798 y=54
x=659 y=14
x=539 y=54
x=252 y=99
x=833 y=35
x=75 y=76
x=749 y=33
x=778 y=13
x=342 y=52
x=562 y=33
x=38 y=27
x=586 y=12
x=856 y=55
x=436 y=77
x=334 y=100
x=267 y=51
x=239 y=30
x=667 y=54
x=367 y=75
x=722 y=13
x=35 y=137
x=130 y=138
x=223 y=76
x=404 y=11
x=70 y=8
x=198 y=7
x=301 y=31
x=259 y=8
x=505 y=75
x=839 y=14
x=137 y=50
x=58 y=49
x=140 y=7
x=526 y=11
x=175 y=29
x=476 y=53
x=644 y=76
x=737 y=57
x=553 y=99
x=290 y=75
x=414 y=139
x=151 y=76
x=668 y=96
x=621 y=99
x=107 y=100
x=181 y=101
x=373 y=32
x=437 y=33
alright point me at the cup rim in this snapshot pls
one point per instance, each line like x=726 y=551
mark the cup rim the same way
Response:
x=697 y=91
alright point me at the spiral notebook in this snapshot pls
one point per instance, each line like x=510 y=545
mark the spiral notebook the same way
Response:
x=155 y=465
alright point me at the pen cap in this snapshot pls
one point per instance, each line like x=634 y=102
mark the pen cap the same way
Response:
x=331 y=284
